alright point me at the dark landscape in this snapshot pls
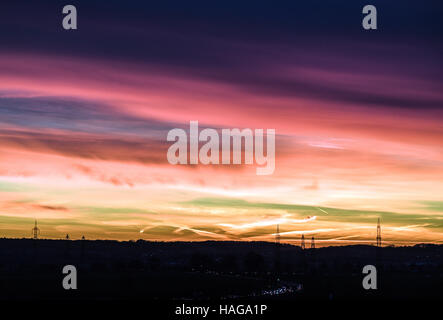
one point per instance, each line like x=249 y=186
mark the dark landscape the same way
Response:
x=214 y=271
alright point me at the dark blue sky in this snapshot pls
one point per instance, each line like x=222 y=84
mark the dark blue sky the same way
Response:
x=228 y=40
x=126 y=29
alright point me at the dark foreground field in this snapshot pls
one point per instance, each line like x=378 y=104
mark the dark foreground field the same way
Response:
x=214 y=271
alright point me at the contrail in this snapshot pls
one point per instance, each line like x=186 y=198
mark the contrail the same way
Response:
x=322 y=210
x=266 y=223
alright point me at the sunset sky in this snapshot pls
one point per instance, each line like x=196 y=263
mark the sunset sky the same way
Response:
x=358 y=115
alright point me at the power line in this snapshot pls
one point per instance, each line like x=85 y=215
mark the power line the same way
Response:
x=303 y=246
x=277 y=235
x=378 y=233
x=35 y=231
